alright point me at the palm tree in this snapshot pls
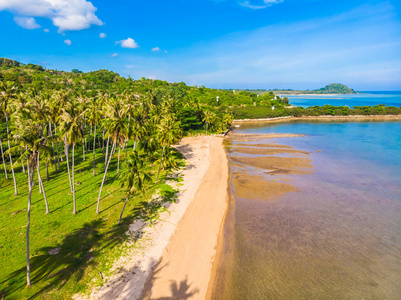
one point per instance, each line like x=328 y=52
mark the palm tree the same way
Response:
x=94 y=117
x=169 y=132
x=117 y=129
x=208 y=118
x=7 y=90
x=133 y=177
x=30 y=135
x=71 y=129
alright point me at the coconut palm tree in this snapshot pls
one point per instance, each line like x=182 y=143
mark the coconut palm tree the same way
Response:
x=208 y=118
x=117 y=126
x=7 y=91
x=94 y=118
x=31 y=137
x=71 y=129
x=133 y=177
x=169 y=132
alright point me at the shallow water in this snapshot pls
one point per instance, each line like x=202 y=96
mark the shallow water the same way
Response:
x=351 y=100
x=327 y=228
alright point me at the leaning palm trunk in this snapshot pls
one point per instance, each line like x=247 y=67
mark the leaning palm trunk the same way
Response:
x=2 y=156
x=161 y=160
x=59 y=157
x=11 y=160
x=103 y=142
x=94 y=157
x=125 y=203
x=68 y=163
x=74 y=211
x=54 y=153
x=107 y=150
x=41 y=185
x=118 y=160
x=104 y=177
x=28 y=266
x=23 y=166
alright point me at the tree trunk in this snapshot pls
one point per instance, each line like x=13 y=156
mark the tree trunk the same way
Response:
x=28 y=265
x=161 y=160
x=103 y=143
x=74 y=211
x=84 y=144
x=41 y=185
x=118 y=160
x=23 y=166
x=54 y=153
x=104 y=177
x=47 y=172
x=59 y=157
x=125 y=203
x=94 y=156
x=68 y=164
x=11 y=160
x=107 y=150
x=4 y=163
x=206 y=128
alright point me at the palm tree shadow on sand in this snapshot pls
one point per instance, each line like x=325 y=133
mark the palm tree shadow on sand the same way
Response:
x=180 y=291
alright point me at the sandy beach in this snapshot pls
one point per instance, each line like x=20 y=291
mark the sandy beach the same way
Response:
x=185 y=268
x=175 y=256
x=322 y=118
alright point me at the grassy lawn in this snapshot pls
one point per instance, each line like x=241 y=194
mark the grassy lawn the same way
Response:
x=88 y=242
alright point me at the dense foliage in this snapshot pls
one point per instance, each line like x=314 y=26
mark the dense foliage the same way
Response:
x=333 y=88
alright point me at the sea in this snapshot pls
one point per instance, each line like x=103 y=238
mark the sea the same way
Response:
x=315 y=216
x=392 y=98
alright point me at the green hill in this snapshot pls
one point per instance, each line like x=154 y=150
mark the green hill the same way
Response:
x=334 y=88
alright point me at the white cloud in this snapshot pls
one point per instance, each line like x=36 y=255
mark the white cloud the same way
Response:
x=65 y=14
x=165 y=51
x=128 y=43
x=68 y=42
x=267 y=3
x=27 y=23
x=155 y=49
x=46 y=30
x=114 y=55
x=102 y=35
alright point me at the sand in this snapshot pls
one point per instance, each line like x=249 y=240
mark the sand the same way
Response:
x=185 y=269
x=322 y=118
x=180 y=249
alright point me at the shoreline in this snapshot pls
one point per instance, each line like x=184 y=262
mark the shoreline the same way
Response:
x=133 y=272
x=322 y=118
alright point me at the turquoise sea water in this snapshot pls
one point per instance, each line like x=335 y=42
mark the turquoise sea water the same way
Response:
x=338 y=236
x=362 y=99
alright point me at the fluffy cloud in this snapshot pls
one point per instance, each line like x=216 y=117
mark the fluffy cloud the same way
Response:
x=114 y=55
x=102 y=35
x=65 y=14
x=266 y=4
x=155 y=49
x=128 y=43
x=68 y=42
x=25 y=22
x=46 y=30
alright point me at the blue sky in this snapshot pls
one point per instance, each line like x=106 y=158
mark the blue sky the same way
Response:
x=301 y=44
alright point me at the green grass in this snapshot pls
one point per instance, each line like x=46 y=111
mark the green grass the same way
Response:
x=88 y=242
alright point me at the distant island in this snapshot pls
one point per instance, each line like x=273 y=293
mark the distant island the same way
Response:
x=333 y=88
